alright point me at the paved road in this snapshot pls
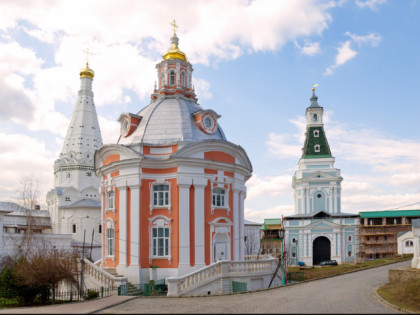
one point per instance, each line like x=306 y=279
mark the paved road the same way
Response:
x=350 y=293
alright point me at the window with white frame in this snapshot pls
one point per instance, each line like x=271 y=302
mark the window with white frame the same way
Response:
x=110 y=241
x=161 y=195
x=110 y=200
x=172 y=78
x=219 y=199
x=316 y=133
x=160 y=241
x=317 y=148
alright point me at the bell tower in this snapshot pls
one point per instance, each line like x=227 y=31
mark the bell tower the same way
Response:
x=316 y=183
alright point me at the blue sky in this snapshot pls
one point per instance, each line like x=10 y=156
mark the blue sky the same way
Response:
x=254 y=63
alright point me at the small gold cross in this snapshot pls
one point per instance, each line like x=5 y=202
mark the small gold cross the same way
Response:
x=174 y=26
x=87 y=54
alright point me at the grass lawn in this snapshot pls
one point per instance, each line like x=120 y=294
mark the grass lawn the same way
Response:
x=402 y=294
x=325 y=271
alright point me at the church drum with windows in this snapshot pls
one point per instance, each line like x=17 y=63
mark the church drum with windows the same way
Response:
x=173 y=187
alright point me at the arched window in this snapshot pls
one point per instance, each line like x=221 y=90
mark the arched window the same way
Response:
x=74 y=228
x=110 y=239
x=183 y=79
x=409 y=243
x=172 y=78
x=315 y=118
x=317 y=148
x=349 y=250
x=316 y=133
x=219 y=197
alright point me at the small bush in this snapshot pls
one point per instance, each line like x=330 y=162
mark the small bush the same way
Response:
x=91 y=294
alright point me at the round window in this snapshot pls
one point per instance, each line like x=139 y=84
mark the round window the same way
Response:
x=319 y=195
x=208 y=122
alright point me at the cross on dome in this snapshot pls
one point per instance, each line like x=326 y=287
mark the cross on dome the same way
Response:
x=174 y=26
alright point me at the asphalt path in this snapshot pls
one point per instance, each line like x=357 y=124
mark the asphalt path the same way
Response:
x=351 y=293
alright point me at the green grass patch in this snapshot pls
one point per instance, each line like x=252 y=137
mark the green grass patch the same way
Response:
x=326 y=271
x=403 y=294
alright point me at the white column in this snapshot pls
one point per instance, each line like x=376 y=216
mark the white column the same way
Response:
x=242 y=196
x=184 y=184
x=134 y=225
x=199 y=224
x=122 y=226
x=236 y=225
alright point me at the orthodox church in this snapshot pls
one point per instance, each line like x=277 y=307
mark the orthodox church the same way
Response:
x=319 y=230
x=172 y=187
x=74 y=203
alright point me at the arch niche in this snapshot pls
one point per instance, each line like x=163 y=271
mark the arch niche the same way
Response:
x=321 y=250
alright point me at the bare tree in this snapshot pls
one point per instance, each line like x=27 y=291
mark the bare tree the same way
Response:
x=28 y=197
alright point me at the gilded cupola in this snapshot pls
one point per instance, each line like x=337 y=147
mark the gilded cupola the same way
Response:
x=174 y=52
x=87 y=72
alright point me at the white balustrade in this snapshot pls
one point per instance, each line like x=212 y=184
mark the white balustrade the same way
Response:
x=181 y=285
x=102 y=276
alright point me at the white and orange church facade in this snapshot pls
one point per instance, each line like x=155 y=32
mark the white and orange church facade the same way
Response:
x=173 y=187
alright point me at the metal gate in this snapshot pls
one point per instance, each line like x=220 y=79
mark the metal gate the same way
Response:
x=321 y=250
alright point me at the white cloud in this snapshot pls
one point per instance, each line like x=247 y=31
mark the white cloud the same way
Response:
x=268 y=213
x=24 y=156
x=372 y=39
x=110 y=130
x=346 y=52
x=371 y=4
x=268 y=186
x=309 y=48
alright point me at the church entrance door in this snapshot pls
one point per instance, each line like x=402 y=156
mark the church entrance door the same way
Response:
x=321 y=250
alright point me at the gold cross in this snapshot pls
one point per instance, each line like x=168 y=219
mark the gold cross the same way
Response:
x=87 y=54
x=174 y=26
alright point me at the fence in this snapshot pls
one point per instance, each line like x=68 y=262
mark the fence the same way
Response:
x=27 y=296
x=238 y=286
x=158 y=287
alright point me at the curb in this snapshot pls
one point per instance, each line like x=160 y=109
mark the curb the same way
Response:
x=105 y=307
x=390 y=305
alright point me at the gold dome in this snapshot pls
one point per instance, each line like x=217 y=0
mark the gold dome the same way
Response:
x=174 y=52
x=86 y=72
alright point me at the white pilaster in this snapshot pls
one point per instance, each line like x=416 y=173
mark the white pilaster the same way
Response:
x=184 y=184
x=134 y=225
x=122 y=221
x=236 y=218
x=242 y=196
x=199 y=215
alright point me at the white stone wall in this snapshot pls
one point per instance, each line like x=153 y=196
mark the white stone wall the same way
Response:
x=402 y=240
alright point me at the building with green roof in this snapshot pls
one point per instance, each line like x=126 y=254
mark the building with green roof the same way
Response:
x=379 y=231
x=319 y=230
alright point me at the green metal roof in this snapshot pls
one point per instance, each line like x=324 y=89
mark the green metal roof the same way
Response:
x=390 y=213
x=270 y=222
x=311 y=141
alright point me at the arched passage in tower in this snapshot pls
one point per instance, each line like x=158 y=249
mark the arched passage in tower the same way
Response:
x=321 y=250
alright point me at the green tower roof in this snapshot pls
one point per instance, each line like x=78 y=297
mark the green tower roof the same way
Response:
x=311 y=141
